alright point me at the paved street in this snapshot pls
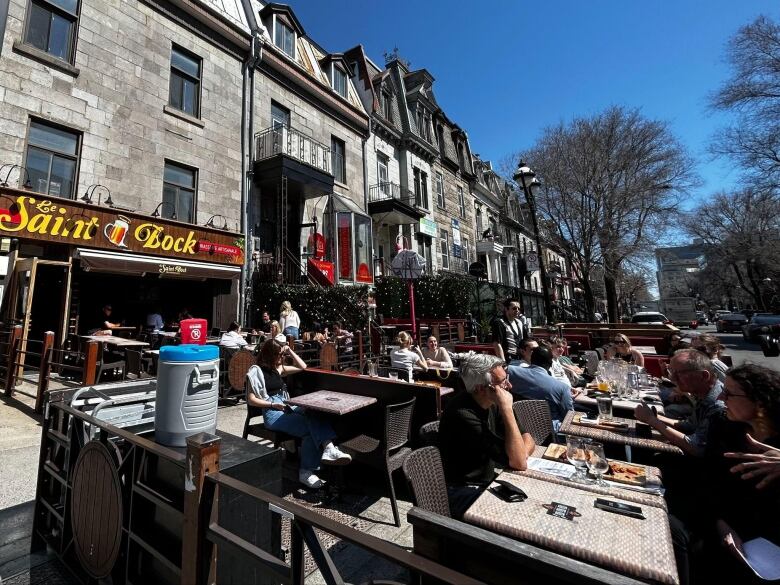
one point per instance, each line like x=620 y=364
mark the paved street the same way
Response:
x=742 y=351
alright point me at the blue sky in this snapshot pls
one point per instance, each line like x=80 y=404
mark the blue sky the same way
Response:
x=504 y=70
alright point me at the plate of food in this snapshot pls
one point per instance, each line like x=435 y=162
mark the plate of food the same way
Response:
x=555 y=452
x=627 y=473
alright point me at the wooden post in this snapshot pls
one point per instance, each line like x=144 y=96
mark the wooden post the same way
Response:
x=45 y=370
x=436 y=332
x=461 y=332
x=13 y=348
x=90 y=363
x=198 y=556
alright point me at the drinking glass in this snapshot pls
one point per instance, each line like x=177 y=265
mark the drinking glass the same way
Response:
x=605 y=407
x=575 y=453
x=602 y=384
x=372 y=369
x=392 y=375
x=597 y=462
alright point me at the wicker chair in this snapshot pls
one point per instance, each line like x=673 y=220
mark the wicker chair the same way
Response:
x=429 y=434
x=425 y=473
x=533 y=416
x=389 y=452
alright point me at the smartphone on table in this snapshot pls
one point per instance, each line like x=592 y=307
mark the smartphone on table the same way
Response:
x=508 y=492
x=619 y=508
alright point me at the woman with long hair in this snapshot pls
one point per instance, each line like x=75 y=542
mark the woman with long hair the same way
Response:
x=622 y=349
x=405 y=357
x=268 y=391
x=289 y=320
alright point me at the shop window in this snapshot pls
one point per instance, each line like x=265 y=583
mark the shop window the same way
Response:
x=184 y=91
x=179 y=192
x=339 y=161
x=344 y=235
x=52 y=159
x=363 y=252
x=52 y=26
x=347 y=231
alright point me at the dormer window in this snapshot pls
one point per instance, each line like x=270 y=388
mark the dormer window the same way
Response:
x=387 y=106
x=284 y=38
x=339 y=81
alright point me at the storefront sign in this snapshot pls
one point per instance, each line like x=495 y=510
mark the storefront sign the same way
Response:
x=319 y=269
x=428 y=227
x=316 y=245
x=35 y=217
x=456 y=232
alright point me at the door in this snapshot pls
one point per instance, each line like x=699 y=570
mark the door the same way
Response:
x=280 y=123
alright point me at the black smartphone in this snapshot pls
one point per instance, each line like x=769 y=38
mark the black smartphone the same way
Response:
x=508 y=492
x=619 y=508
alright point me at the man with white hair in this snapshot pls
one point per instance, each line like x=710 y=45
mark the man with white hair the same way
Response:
x=478 y=431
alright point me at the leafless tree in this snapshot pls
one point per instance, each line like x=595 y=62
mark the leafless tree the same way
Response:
x=610 y=182
x=742 y=234
x=753 y=94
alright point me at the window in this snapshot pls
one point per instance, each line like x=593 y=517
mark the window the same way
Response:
x=52 y=158
x=424 y=249
x=479 y=221
x=461 y=202
x=280 y=116
x=387 y=106
x=179 y=192
x=184 y=91
x=420 y=188
x=383 y=174
x=338 y=156
x=339 y=81
x=444 y=242
x=284 y=38
x=439 y=188
x=51 y=27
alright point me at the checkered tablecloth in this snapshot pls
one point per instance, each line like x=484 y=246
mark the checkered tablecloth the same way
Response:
x=621 y=437
x=631 y=546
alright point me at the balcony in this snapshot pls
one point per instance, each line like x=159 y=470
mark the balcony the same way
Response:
x=491 y=246
x=395 y=204
x=292 y=143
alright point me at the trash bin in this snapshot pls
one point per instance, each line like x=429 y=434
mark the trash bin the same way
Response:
x=187 y=393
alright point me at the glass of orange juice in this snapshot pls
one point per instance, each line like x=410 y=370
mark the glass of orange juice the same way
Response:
x=602 y=385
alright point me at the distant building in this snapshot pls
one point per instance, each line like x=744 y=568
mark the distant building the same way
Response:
x=677 y=269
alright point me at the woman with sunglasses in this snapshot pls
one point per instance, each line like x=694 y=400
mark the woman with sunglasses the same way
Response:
x=622 y=349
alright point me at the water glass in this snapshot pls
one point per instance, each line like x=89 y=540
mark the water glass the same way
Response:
x=372 y=369
x=577 y=456
x=597 y=462
x=605 y=407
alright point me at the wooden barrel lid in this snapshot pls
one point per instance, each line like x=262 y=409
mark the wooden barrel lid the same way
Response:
x=96 y=503
x=239 y=366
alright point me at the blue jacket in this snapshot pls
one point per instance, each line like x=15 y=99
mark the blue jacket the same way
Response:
x=536 y=383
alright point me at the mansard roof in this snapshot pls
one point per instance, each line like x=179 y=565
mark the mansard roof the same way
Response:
x=287 y=13
x=231 y=11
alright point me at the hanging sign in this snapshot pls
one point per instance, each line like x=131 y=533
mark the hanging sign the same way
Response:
x=321 y=271
x=428 y=227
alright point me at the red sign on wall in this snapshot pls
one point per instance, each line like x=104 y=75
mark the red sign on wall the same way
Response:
x=220 y=249
x=322 y=271
x=316 y=245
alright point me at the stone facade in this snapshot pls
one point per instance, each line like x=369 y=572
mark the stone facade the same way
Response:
x=118 y=104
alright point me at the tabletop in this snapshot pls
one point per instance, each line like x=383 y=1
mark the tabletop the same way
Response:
x=645 y=349
x=332 y=402
x=628 y=437
x=625 y=404
x=115 y=341
x=563 y=518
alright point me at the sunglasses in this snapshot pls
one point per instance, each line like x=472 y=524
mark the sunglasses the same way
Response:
x=726 y=394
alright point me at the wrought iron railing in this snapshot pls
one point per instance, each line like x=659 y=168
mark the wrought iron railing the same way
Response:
x=387 y=190
x=291 y=142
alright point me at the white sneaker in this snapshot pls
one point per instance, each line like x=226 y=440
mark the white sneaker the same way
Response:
x=335 y=456
x=309 y=479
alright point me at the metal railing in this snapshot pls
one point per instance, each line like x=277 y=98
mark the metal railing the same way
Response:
x=291 y=142
x=386 y=190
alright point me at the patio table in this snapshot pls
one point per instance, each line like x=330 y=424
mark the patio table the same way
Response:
x=331 y=402
x=625 y=405
x=562 y=518
x=645 y=349
x=115 y=341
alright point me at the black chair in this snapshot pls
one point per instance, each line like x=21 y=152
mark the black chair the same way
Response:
x=389 y=452
x=429 y=434
x=533 y=417
x=136 y=366
x=425 y=474
x=108 y=362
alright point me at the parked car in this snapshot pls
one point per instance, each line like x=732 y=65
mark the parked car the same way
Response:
x=731 y=322
x=701 y=318
x=648 y=318
x=760 y=324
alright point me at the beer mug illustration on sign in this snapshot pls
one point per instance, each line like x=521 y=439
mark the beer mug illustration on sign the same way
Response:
x=116 y=231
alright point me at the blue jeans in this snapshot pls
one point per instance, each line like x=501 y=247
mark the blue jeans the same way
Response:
x=314 y=432
x=291 y=331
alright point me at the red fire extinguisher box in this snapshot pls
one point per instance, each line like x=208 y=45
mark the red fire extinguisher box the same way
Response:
x=193 y=331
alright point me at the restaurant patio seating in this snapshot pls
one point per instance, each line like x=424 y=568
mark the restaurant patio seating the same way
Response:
x=429 y=434
x=425 y=473
x=533 y=417
x=135 y=366
x=389 y=452
x=278 y=438
x=108 y=362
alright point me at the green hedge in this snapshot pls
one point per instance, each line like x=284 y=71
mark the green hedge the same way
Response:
x=439 y=296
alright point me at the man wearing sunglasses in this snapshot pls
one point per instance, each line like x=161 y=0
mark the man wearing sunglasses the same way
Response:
x=694 y=374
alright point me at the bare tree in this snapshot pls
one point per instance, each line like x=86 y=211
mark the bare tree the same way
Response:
x=753 y=93
x=742 y=233
x=609 y=184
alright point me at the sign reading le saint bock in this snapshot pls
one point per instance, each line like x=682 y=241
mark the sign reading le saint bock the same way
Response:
x=37 y=217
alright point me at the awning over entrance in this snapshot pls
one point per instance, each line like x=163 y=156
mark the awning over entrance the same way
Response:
x=139 y=265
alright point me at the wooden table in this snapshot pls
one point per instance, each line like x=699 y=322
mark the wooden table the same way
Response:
x=628 y=437
x=631 y=546
x=331 y=402
x=645 y=349
x=625 y=405
x=115 y=341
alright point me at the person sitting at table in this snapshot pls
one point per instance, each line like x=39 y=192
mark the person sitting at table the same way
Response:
x=342 y=337
x=710 y=345
x=265 y=323
x=622 y=349
x=405 y=357
x=436 y=356
x=558 y=371
x=694 y=374
x=537 y=382
x=154 y=320
x=106 y=325
x=232 y=338
x=268 y=391
x=527 y=346
x=478 y=431
x=676 y=341
x=275 y=329
x=289 y=320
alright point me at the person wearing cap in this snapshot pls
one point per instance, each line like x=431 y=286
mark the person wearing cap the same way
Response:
x=267 y=392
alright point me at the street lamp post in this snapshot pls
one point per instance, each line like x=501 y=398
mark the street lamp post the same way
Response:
x=527 y=179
